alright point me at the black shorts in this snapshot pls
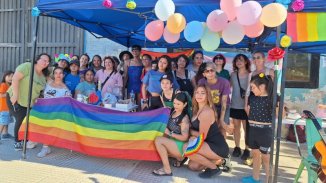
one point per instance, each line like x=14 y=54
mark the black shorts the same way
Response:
x=239 y=114
x=260 y=137
x=155 y=103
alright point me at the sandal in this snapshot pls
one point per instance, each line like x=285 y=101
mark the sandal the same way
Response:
x=161 y=172
x=178 y=164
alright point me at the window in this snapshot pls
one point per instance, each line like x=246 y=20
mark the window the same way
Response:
x=302 y=71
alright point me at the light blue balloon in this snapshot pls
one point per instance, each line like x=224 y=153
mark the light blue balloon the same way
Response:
x=193 y=31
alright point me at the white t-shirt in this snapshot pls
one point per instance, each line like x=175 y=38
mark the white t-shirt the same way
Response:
x=52 y=92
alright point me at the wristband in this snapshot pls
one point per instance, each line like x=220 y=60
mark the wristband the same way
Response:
x=144 y=101
x=170 y=134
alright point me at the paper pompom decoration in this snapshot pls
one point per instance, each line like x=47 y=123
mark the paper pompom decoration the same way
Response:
x=275 y=54
x=131 y=4
x=286 y=41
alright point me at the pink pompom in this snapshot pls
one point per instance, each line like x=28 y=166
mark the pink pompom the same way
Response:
x=107 y=3
x=297 y=5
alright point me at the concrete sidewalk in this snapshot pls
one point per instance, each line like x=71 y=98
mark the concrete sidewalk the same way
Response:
x=66 y=166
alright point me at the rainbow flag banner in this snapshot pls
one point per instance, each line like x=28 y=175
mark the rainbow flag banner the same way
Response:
x=67 y=123
x=306 y=27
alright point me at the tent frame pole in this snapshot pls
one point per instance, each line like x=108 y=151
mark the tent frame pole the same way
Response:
x=271 y=161
x=280 y=115
x=35 y=27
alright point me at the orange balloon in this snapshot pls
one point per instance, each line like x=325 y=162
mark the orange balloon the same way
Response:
x=273 y=15
x=176 y=23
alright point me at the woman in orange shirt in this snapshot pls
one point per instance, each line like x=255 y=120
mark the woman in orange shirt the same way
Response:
x=5 y=117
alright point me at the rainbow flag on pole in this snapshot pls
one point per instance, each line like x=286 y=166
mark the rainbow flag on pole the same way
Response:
x=306 y=27
x=67 y=123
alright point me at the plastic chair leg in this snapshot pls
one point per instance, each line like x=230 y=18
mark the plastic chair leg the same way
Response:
x=300 y=169
x=312 y=176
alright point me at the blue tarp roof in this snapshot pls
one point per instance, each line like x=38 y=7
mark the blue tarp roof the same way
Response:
x=127 y=27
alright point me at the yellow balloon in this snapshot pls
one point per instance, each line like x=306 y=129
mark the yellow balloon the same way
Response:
x=176 y=23
x=286 y=41
x=273 y=15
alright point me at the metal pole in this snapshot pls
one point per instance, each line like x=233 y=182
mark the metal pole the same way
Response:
x=280 y=114
x=271 y=162
x=30 y=84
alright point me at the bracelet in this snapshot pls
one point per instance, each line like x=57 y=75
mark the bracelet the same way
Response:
x=170 y=134
x=144 y=101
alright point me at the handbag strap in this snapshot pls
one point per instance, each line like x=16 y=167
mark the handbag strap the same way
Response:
x=238 y=79
x=107 y=78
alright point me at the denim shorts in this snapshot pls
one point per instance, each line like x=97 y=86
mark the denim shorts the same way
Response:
x=5 y=118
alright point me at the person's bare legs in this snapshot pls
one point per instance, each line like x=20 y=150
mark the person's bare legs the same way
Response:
x=237 y=132
x=265 y=159
x=256 y=155
x=205 y=156
x=245 y=131
x=166 y=147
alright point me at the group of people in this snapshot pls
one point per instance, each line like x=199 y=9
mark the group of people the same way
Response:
x=197 y=92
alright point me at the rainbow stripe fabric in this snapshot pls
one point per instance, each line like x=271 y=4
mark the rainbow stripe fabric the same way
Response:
x=194 y=145
x=67 y=123
x=306 y=27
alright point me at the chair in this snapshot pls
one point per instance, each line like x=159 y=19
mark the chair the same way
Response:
x=311 y=164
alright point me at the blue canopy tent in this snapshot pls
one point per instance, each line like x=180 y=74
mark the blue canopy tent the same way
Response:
x=126 y=27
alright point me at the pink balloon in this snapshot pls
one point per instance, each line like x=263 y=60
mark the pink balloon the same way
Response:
x=170 y=37
x=230 y=7
x=254 y=30
x=154 y=30
x=217 y=20
x=249 y=13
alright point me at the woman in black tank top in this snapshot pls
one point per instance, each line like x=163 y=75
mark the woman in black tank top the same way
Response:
x=175 y=136
x=204 y=122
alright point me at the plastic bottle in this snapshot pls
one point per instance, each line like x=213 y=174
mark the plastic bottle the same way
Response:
x=132 y=97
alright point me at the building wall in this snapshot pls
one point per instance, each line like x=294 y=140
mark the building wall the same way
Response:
x=16 y=37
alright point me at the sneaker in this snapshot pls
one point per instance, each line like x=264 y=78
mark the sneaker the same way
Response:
x=226 y=166
x=6 y=136
x=245 y=155
x=248 y=161
x=18 y=146
x=31 y=145
x=249 y=179
x=236 y=152
x=208 y=173
x=44 y=151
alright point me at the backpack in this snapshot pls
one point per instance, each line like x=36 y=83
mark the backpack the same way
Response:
x=301 y=131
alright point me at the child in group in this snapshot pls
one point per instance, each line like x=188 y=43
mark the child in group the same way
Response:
x=54 y=89
x=260 y=106
x=62 y=61
x=5 y=117
x=88 y=86
x=168 y=92
x=72 y=79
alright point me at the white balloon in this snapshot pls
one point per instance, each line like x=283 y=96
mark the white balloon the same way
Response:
x=163 y=9
x=233 y=33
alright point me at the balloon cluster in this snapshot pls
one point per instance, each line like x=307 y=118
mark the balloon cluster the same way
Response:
x=231 y=23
